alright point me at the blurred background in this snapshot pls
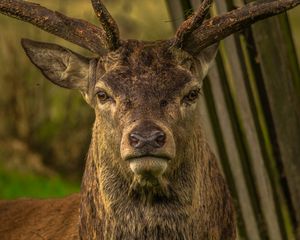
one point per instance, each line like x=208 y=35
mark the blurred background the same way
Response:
x=45 y=130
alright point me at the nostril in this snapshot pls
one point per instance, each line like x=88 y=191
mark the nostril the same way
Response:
x=160 y=139
x=147 y=140
x=134 y=140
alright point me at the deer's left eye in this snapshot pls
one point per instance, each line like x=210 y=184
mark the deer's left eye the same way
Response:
x=103 y=96
x=191 y=96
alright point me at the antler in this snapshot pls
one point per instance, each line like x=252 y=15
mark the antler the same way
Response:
x=192 y=23
x=194 y=35
x=108 y=24
x=74 y=30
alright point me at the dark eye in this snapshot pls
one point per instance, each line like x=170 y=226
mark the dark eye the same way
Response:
x=103 y=96
x=192 y=95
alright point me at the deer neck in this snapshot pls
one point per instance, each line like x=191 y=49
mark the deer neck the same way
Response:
x=108 y=211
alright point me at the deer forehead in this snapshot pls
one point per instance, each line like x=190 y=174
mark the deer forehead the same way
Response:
x=143 y=69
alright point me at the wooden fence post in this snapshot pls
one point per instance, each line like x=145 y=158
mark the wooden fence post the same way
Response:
x=281 y=80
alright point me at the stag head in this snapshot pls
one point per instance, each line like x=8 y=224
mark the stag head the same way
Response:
x=145 y=94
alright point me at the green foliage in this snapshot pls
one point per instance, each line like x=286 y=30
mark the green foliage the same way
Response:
x=14 y=184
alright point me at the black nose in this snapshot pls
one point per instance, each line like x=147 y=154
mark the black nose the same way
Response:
x=145 y=139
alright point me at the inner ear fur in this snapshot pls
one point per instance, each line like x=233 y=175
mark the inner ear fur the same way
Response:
x=60 y=65
x=205 y=58
x=200 y=63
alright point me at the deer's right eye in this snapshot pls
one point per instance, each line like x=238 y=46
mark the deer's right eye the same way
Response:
x=103 y=96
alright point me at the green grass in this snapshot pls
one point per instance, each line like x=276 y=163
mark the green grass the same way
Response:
x=15 y=184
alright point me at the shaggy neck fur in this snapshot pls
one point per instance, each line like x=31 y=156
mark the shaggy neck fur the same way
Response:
x=198 y=205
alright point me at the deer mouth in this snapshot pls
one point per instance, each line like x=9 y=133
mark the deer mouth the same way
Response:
x=145 y=165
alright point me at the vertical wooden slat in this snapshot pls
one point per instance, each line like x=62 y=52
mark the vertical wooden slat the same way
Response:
x=262 y=119
x=283 y=98
x=255 y=85
x=261 y=186
x=274 y=194
x=217 y=134
x=238 y=108
x=262 y=200
x=236 y=168
x=254 y=162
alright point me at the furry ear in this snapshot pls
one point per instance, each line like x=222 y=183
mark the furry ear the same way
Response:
x=205 y=59
x=60 y=65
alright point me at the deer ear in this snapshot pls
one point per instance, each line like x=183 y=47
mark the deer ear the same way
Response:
x=205 y=59
x=60 y=65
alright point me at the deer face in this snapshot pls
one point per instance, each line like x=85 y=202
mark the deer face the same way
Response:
x=145 y=96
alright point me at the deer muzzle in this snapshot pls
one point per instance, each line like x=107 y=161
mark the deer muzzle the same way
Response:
x=148 y=147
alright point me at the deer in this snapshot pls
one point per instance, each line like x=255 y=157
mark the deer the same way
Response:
x=150 y=173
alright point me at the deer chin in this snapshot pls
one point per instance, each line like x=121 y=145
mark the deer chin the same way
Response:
x=148 y=183
x=148 y=167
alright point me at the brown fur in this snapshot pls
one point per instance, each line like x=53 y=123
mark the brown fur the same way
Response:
x=146 y=82
x=198 y=205
x=26 y=219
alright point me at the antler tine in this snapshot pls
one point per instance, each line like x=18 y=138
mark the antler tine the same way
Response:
x=192 y=23
x=108 y=24
x=217 y=28
x=73 y=30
